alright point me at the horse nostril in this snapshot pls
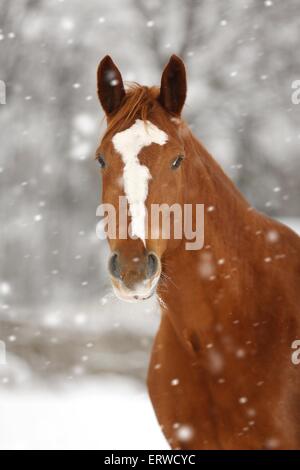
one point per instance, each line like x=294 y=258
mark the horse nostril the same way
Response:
x=152 y=264
x=114 y=266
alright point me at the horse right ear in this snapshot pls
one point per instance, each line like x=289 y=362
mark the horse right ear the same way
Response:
x=173 y=86
x=111 y=89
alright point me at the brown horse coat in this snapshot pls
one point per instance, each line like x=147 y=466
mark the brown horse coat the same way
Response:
x=221 y=374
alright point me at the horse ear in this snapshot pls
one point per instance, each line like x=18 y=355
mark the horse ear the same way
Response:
x=110 y=86
x=173 y=86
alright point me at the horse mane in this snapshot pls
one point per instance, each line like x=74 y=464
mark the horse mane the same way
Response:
x=139 y=103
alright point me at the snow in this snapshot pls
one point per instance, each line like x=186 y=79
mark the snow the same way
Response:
x=185 y=433
x=5 y=288
x=243 y=400
x=111 y=413
x=85 y=124
x=67 y=24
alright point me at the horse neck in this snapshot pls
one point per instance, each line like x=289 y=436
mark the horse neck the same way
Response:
x=226 y=212
x=227 y=215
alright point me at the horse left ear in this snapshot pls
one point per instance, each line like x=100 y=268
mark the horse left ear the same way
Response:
x=110 y=86
x=173 y=86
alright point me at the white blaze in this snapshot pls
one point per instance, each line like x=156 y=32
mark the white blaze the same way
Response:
x=128 y=144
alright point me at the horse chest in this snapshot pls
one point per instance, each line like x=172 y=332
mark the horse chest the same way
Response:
x=219 y=393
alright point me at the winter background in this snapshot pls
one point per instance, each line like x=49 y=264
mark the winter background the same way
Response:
x=76 y=356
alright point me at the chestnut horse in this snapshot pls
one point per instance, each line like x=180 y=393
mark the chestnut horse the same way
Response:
x=221 y=374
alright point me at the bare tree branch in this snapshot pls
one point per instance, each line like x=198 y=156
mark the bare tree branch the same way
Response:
x=191 y=20
x=154 y=33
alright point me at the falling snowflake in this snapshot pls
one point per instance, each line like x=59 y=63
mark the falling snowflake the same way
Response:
x=272 y=236
x=184 y=433
x=80 y=319
x=114 y=82
x=243 y=400
x=175 y=382
x=67 y=24
x=5 y=288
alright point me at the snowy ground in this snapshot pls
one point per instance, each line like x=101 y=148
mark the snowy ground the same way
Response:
x=111 y=413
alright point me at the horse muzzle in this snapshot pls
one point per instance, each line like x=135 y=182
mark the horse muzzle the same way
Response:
x=134 y=278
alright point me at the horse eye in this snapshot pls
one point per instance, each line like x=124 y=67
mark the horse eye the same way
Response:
x=101 y=161
x=176 y=164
